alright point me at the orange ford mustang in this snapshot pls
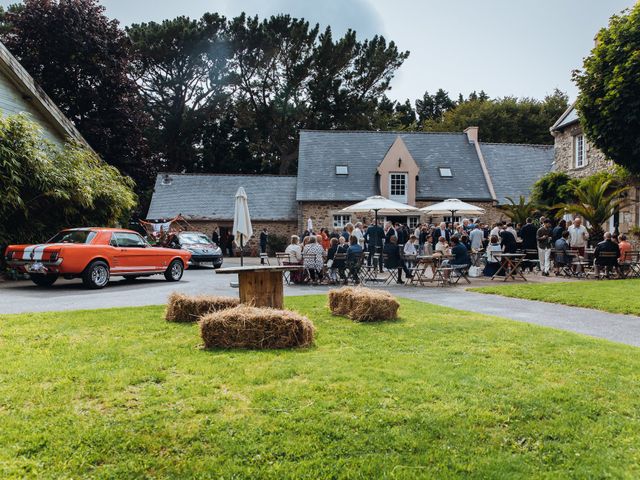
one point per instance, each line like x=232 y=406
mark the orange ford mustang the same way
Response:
x=95 y=254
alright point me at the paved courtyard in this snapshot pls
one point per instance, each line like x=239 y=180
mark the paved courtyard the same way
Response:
x=23 y=296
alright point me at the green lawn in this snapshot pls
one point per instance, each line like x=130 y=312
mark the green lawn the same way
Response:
x=616 y=296
x=441 y=393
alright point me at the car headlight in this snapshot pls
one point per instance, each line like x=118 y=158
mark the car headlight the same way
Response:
x=217 y=251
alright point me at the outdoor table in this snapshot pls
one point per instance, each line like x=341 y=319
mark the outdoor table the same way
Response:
x=510 y=265
x=260 y=285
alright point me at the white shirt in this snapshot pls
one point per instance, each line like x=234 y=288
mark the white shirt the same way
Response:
x=495 y=231
x=410 y=249
x=491 y=249
x=295 y=252
x=442 y=248
x=359 y=235
x=578 y=236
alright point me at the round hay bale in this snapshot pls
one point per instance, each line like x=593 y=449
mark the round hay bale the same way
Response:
x=256 y=328
x=185 y=308
x=363 y=304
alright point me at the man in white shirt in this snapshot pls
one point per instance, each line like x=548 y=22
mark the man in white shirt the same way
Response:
x=495 y=231
x=578 y=236
x=476 y=237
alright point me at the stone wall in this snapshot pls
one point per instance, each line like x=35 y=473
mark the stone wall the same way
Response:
x=321 y=213
x=596 y=162
x=284 y=229
x=563 y=150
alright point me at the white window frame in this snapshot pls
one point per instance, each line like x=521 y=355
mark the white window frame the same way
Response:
x=340 y=220
x=413 y=222
x=452 y=220
x=442 y=175
x=579 y=151
x=393 y=177
x=342 y=170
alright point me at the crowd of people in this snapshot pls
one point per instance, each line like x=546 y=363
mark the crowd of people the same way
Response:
x=395 y=246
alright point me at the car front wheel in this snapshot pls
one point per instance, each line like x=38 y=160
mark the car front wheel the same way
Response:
x=174 y=271
x=43 y=280
x=96 y=275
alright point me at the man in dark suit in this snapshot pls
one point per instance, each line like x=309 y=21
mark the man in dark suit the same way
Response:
x=373 y=237
x=528 y=235
x=264 y=235
x=610 y=261
x=393 y=260
x=508 y=241
x=441 y=231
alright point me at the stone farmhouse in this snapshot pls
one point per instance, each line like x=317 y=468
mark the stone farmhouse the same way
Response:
x=576 y=156
x=19 y=94
x=339 y=168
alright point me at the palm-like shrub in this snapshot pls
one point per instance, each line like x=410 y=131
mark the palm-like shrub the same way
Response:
x=518 y=212
x=596 y=200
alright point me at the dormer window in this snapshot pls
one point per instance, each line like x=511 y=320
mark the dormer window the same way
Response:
x=342 y=170
x=445 y=172
x=166 y=180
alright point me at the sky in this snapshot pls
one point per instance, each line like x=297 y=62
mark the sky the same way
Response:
x=522 y=48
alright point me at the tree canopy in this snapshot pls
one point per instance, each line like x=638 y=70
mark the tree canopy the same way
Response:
x=503 y=120
x=609 y=99
x=46 y=187
x=82 y=61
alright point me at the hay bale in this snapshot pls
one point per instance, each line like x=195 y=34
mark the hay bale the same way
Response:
x=341 y=300
x=251 y=327
x=185 y=308
x=363 y=304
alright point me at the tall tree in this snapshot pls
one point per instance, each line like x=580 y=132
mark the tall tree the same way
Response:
x=433 y=107
x=180 y=65
x=288 y=77
x=505 y=120
x=81 y=59
x=609 y=99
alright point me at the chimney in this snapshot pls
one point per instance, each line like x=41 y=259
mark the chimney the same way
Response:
x=472 y=134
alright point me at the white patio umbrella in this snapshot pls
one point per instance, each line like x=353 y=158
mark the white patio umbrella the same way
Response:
x=242 y=220
x=309 y=224
x=452 y=206
x=378 y=203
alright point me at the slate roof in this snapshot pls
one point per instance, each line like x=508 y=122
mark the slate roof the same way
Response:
x=212 y=197
x=569 y=116
x=515 y=168
x=362 y=152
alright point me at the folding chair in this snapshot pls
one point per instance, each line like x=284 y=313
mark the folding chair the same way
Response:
x=354 y=268
x=419 y=271
x=458 y=272
x=531 y=259
x=340 y=259
x=264 y=259
x=391 y=272
x=610 y=262
x=284 y=259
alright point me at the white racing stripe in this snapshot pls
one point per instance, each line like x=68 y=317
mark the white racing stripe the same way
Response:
x=26 y=255
x=39 y=251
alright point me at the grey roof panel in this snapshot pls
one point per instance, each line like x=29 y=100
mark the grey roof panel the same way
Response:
x=212 y=197
x=568 y=117
x=515 y=168
x=362 y=152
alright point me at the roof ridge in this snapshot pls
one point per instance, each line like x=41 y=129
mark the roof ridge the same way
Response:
x=518 y=144
x=225 y=174
x=396 y=132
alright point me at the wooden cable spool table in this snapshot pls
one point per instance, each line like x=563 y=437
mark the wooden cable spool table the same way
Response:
x=260 y=285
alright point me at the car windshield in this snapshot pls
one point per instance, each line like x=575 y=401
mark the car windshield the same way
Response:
x=194 y=238
x=73 y=236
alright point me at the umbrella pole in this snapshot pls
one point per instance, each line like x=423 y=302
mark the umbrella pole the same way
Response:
x=241 y=252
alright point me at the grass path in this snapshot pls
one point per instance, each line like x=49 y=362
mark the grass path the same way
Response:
x=441 y=393
x=615 y=296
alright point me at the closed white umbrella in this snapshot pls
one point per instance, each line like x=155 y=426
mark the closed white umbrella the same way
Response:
x=378 y=203
x=242 y=220
x=452 y=206
x=310 y=225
